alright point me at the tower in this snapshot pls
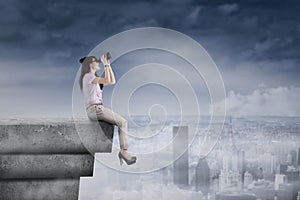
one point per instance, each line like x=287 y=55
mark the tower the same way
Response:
x=233 y=162
x=268 y=163
x=202 y=177
x=294 y=157
x=248 y=179
x=231 y=137
x=241 y=163
x=298 y=156
x=181 y=165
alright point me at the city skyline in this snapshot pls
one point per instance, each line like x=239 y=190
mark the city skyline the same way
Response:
x=255 y=158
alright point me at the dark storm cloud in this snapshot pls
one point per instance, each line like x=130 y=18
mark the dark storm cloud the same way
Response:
x=249 y=30
x=252 y=31
x=34 y=24
x=63 y=31
x=257 y=29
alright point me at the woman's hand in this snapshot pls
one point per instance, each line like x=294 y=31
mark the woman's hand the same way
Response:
x=104 y=60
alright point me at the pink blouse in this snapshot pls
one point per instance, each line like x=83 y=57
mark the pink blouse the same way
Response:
x=92 y=92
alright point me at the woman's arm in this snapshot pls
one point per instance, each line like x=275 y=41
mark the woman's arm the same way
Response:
x=111 y=73
x=104 y=81
x=107 y=80
x=107 y=74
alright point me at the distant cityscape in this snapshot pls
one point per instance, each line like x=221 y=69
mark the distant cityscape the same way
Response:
x=255 y=158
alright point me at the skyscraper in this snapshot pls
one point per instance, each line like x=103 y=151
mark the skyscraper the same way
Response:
x=285 y=191
x=268 y=162
x=298 y=156
x=282 y=168
x=233 y=163
x=248 y=179
x=202 y=177
x=279 y=178
x=181 y=165
x=294 y=157
x=165 y=175
x=241 y=162
x=231 y=137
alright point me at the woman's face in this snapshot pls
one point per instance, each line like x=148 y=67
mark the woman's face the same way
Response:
x=95 y=65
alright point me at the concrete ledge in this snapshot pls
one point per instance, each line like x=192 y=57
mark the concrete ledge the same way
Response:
x=46 y=166
x=53 y=136
x=52 y=189
x=38 y=157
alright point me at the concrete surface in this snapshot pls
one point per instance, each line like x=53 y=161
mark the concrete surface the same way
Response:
x=37 y=189
x=45 y=166
x=45 y=158
x=49 y=137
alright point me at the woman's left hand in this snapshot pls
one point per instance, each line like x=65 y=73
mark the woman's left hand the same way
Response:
x=103 y=59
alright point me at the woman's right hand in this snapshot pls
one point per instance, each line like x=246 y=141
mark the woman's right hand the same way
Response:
x=104 y=60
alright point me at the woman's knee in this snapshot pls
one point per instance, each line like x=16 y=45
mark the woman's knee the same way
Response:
x=123 y=123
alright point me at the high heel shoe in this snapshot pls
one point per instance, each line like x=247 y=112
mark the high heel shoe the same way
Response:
x=128 y=161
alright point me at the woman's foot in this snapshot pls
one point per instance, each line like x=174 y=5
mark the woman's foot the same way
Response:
x=124 y=154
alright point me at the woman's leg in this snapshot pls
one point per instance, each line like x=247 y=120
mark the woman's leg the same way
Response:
x=101 y=113
x=116 y=119
x=98 y=112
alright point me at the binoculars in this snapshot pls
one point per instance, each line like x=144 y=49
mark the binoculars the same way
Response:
x=107 y=55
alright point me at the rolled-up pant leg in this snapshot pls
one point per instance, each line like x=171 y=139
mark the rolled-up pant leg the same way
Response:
x=98 y=112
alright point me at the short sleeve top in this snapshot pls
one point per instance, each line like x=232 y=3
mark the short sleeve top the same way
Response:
x=92 y=92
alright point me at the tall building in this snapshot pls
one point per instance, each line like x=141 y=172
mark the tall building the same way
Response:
x=241 y=163
x=298 y=195
x=289 y=159
x=268 y=164
x=282 y=168
x=231 y=137
x=215 y=186
x=180 y=149
x=279 y=178
x=226 y=164
x=294 y=158
x=263 y=189
x=230 y=180
x=248 y=179
x=233 y=163
x=202 y=177
x=166 y=175
x=292 y=175
x=293 y=178
x=298 y=156
x=285 y=191
x=282 y=149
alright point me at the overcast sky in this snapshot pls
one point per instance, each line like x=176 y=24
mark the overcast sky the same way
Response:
x=255 y=44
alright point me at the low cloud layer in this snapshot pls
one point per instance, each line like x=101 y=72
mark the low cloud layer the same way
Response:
x=279 y=101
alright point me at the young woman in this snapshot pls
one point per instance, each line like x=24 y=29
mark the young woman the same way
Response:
x=92 y=86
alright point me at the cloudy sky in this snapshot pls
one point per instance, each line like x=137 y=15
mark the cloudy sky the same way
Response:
x=255 y=44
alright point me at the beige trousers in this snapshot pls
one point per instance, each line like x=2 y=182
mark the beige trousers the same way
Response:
x=99 y=112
